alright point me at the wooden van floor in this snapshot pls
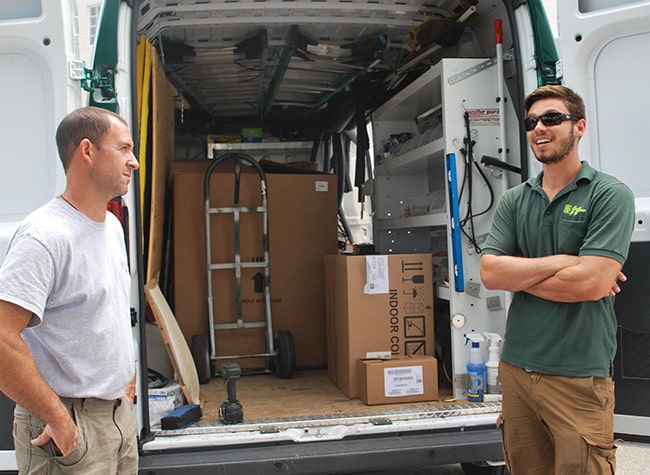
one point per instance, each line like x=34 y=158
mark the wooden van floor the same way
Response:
x=309 y=393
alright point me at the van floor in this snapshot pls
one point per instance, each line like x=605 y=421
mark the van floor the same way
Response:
x=309 y=393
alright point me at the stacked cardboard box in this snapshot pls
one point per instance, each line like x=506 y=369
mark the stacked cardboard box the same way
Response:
x=302 y=211
x=377 y=306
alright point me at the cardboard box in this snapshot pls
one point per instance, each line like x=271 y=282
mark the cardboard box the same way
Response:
x=401 y=379
x=388 y=309
x=251 y=134
x=302 y=212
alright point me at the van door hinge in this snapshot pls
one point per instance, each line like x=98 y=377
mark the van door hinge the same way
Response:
x=106 y=83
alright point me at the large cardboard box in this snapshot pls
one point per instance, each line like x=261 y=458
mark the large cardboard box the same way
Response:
x=376 y=305
x=401 y=379
x=302 y=211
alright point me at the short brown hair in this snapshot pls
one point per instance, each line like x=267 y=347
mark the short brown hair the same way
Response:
x=92 y=123
x=572 y=100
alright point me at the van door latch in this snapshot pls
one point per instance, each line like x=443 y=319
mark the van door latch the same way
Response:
x=106 y=83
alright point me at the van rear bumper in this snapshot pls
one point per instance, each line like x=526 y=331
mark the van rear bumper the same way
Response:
x=397 y=451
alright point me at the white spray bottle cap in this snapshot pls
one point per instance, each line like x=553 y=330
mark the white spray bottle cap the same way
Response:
x=494 y=348
x=494 y=339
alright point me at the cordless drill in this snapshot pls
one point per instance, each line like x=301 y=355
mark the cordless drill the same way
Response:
x=230 y=411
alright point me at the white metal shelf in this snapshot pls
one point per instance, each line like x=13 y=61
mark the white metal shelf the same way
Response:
x=415 y=99
x=414 y=161
x=415 y=181
x=257 y=148
x=425 y=220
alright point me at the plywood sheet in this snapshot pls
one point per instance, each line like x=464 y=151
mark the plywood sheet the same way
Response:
x=177 y=348
x=144 y=84
x=162 y=134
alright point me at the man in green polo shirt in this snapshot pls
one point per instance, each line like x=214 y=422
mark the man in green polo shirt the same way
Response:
x=559 y=241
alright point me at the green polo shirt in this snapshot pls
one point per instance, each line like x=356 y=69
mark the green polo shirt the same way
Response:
x=593 y=215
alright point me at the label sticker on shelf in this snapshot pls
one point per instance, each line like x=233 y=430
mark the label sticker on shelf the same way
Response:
x=456 y=78
x=484 y=116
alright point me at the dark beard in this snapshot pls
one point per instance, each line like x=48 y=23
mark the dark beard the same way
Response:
x=561 y=154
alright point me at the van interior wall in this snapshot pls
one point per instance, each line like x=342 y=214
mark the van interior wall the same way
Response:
x=191 y=126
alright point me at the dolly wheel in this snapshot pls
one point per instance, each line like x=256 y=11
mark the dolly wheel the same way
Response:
x=201 y=357
x=285 y=359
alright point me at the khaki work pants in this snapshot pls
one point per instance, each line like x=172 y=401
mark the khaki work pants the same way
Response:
x=556 y=425
x=107 y=441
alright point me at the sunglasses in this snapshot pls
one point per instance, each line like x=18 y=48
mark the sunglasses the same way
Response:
x=550 y=119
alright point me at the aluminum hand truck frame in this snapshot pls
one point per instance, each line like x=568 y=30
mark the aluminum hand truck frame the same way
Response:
x=280 y=348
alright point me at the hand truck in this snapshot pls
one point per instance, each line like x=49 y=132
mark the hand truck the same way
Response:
x=280 y=348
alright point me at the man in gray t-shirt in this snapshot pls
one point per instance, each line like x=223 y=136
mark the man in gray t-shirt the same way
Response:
x=67 y=350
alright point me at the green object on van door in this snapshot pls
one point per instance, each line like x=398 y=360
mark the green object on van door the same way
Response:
x=105 y=58
x=545 y=49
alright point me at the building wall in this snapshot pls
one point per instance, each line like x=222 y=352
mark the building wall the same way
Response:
x=85 y=45
x=551 y=13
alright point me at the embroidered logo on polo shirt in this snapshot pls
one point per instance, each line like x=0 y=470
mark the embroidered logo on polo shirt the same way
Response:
x=573 y=210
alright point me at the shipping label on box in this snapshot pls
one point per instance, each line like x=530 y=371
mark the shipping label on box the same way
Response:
x=403 y=381
x=376 y=275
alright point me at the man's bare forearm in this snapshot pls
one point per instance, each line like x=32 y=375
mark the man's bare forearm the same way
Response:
x=21 y=381
x=515 y=273
x=593 y=278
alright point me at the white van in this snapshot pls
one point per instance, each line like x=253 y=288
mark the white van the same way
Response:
x=294 y=85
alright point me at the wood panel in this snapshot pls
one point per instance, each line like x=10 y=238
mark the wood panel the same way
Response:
x=177 y=349
x=162 y=99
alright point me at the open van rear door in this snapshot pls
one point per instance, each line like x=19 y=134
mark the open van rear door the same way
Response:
x=604 y=48
x=38 y=53
x=37 y=49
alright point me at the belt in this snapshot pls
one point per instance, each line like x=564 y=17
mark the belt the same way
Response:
x=90 y=402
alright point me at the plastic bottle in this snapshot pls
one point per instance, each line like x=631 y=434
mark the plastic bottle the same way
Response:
x=476 y=369
x=492 y=364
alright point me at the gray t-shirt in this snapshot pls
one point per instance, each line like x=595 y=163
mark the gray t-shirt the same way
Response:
x=72 y=274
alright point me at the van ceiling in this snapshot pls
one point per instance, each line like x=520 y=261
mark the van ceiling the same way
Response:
x=294 y=66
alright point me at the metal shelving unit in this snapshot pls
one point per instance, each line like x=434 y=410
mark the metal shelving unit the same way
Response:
x=419 y=139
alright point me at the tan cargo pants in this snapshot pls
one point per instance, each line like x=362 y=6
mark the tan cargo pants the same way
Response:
x=107 y=441
x=555 y=425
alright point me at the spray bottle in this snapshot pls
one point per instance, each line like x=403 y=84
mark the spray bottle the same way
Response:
x=492 y=365
x=476 y=369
